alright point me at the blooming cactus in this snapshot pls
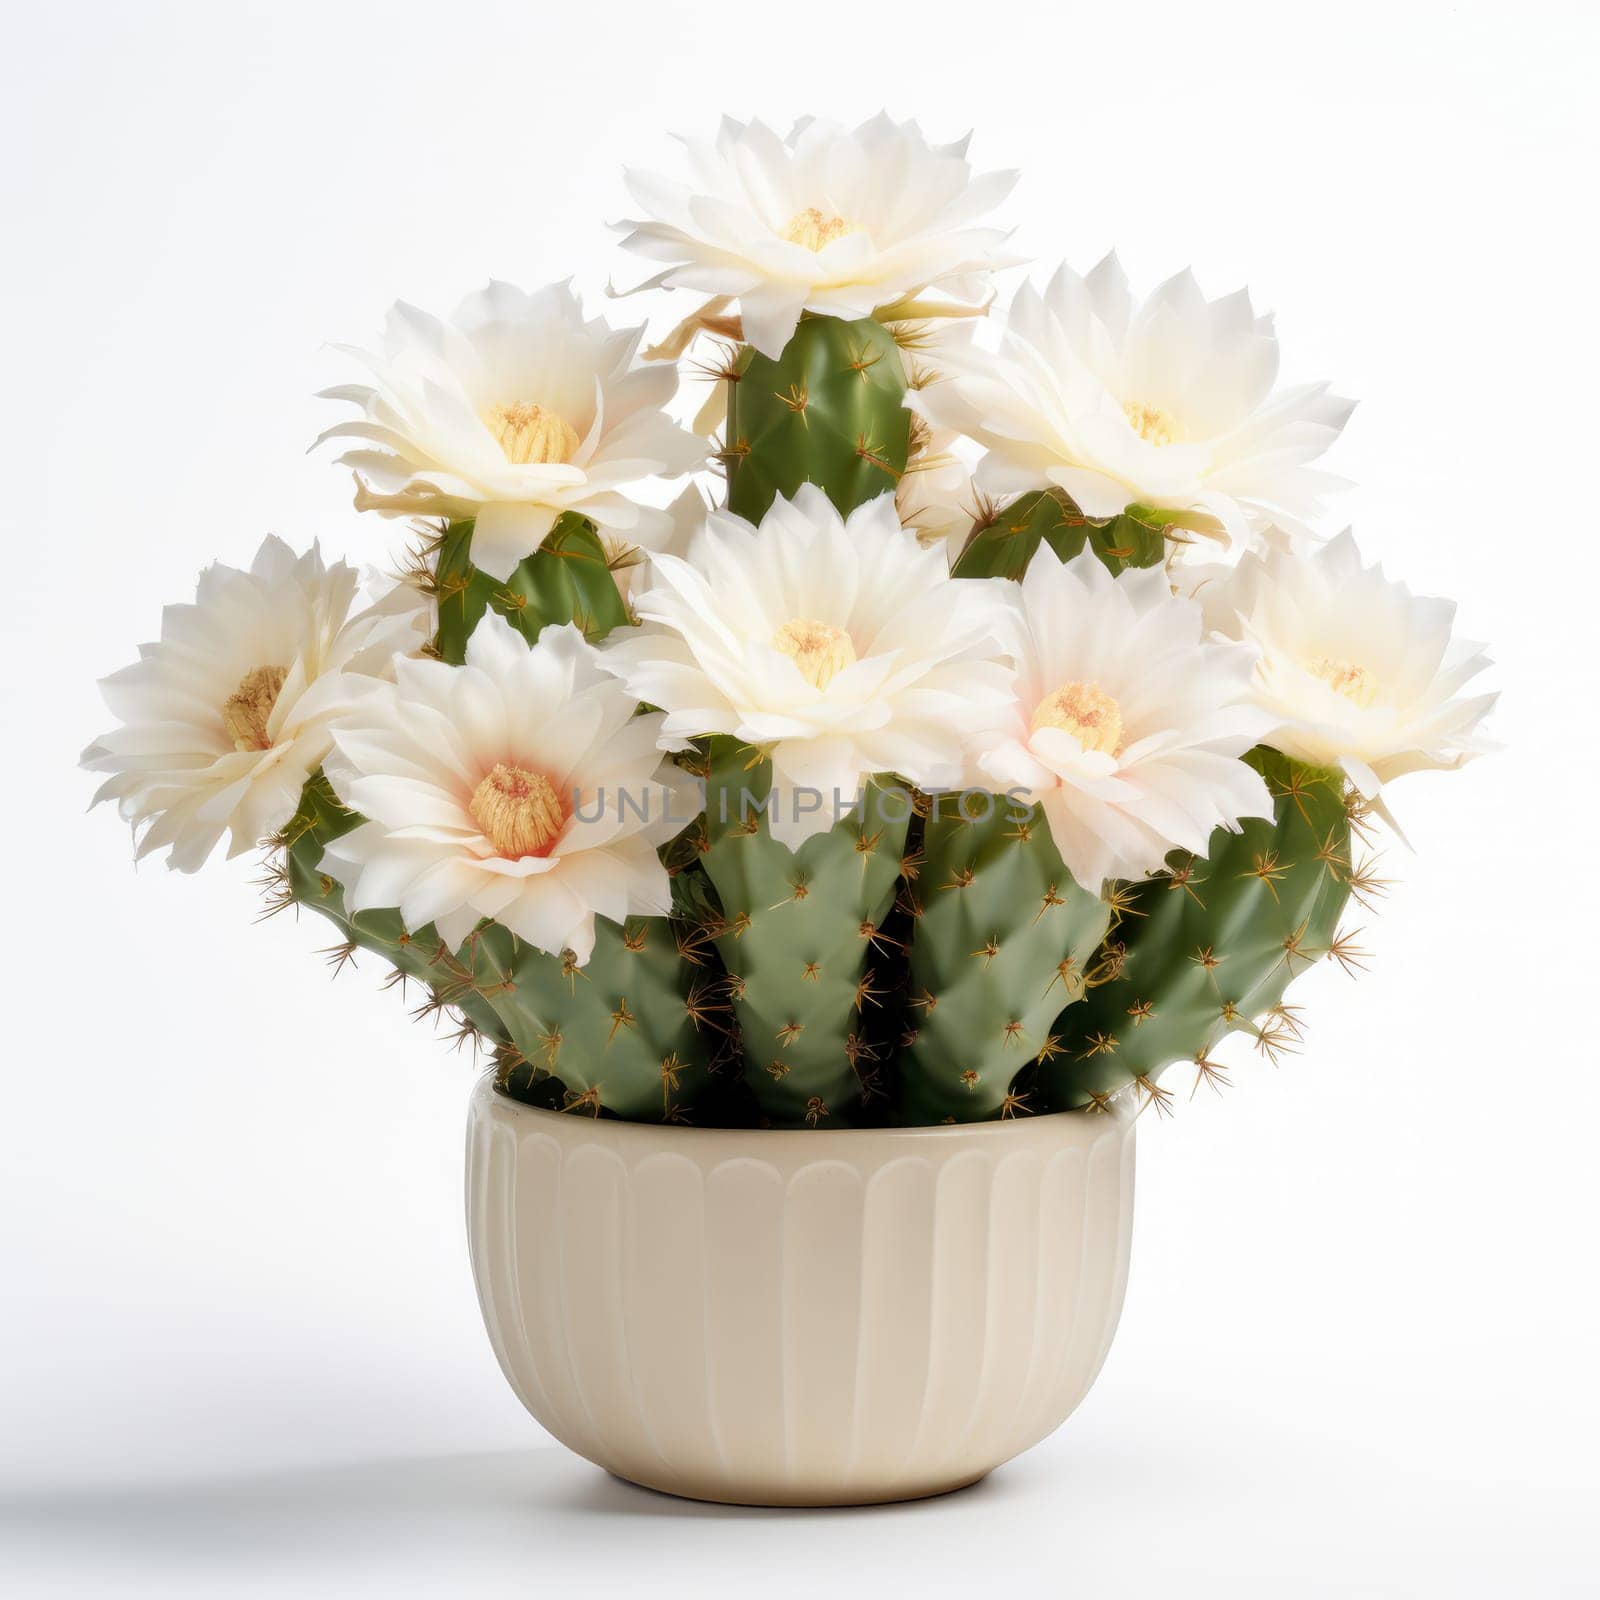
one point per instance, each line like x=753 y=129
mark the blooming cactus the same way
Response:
x=937 y=775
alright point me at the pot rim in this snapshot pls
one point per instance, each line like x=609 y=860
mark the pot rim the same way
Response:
x=1122 y=1109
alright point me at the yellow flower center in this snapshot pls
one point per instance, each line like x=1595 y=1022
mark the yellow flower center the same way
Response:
x=1354 y=682
x=814 y=229
x=1085 y=711
x=818 y=648
x=245 y=711
x=1152 y=424
x=519 y=811
x=531 y=435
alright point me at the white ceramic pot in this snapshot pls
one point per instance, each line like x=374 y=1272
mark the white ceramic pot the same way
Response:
x=798 y=1318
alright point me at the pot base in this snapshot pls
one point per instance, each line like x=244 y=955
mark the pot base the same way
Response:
x=800 y=1499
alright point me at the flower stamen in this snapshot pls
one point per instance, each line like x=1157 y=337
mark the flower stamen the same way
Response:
x=531 y=435
x=818 y=649
x=1152 y=424
x=1347 y=678
x=519 y=811
x=1085 y=711
x=245 y=711
x=813 y=228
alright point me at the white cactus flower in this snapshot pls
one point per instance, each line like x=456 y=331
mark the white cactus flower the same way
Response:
x=1125 y=726
x=519 y=786
x=1353 y=670
x=226 y=716
x=513 y=412
x=831 y=220
x=1169 y=402
x=839 y=646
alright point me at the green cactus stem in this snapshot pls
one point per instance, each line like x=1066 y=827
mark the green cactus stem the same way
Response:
x=795 y=930
x=622 y=1033
x=567 y=579
x=1208 y=947
x=1004 y=936
x=520 y=1079
x=830 y=410
x=1003 y=546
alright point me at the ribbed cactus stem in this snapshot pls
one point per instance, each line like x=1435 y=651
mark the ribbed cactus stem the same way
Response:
x=620 y=1034
x=830 y=410
x=1003 y=938
x=566 y=580
x=1003 y=546
x=796 y=930
x=1209 y=946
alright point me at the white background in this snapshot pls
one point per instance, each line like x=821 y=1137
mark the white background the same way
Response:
x=239 y=1352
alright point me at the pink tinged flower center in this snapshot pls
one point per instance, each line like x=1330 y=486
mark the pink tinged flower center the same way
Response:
x=1152 y=424
x=813 y=229
x=1354 y=682
x=818 y=649
x=531 y=435
x=519 y=811
x=1085 y=711
x=245 y=711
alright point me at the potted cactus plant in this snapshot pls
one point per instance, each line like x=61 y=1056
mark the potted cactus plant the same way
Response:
x=831 y=876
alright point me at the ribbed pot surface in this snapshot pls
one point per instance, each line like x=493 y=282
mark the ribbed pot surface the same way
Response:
x=798 y=1318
